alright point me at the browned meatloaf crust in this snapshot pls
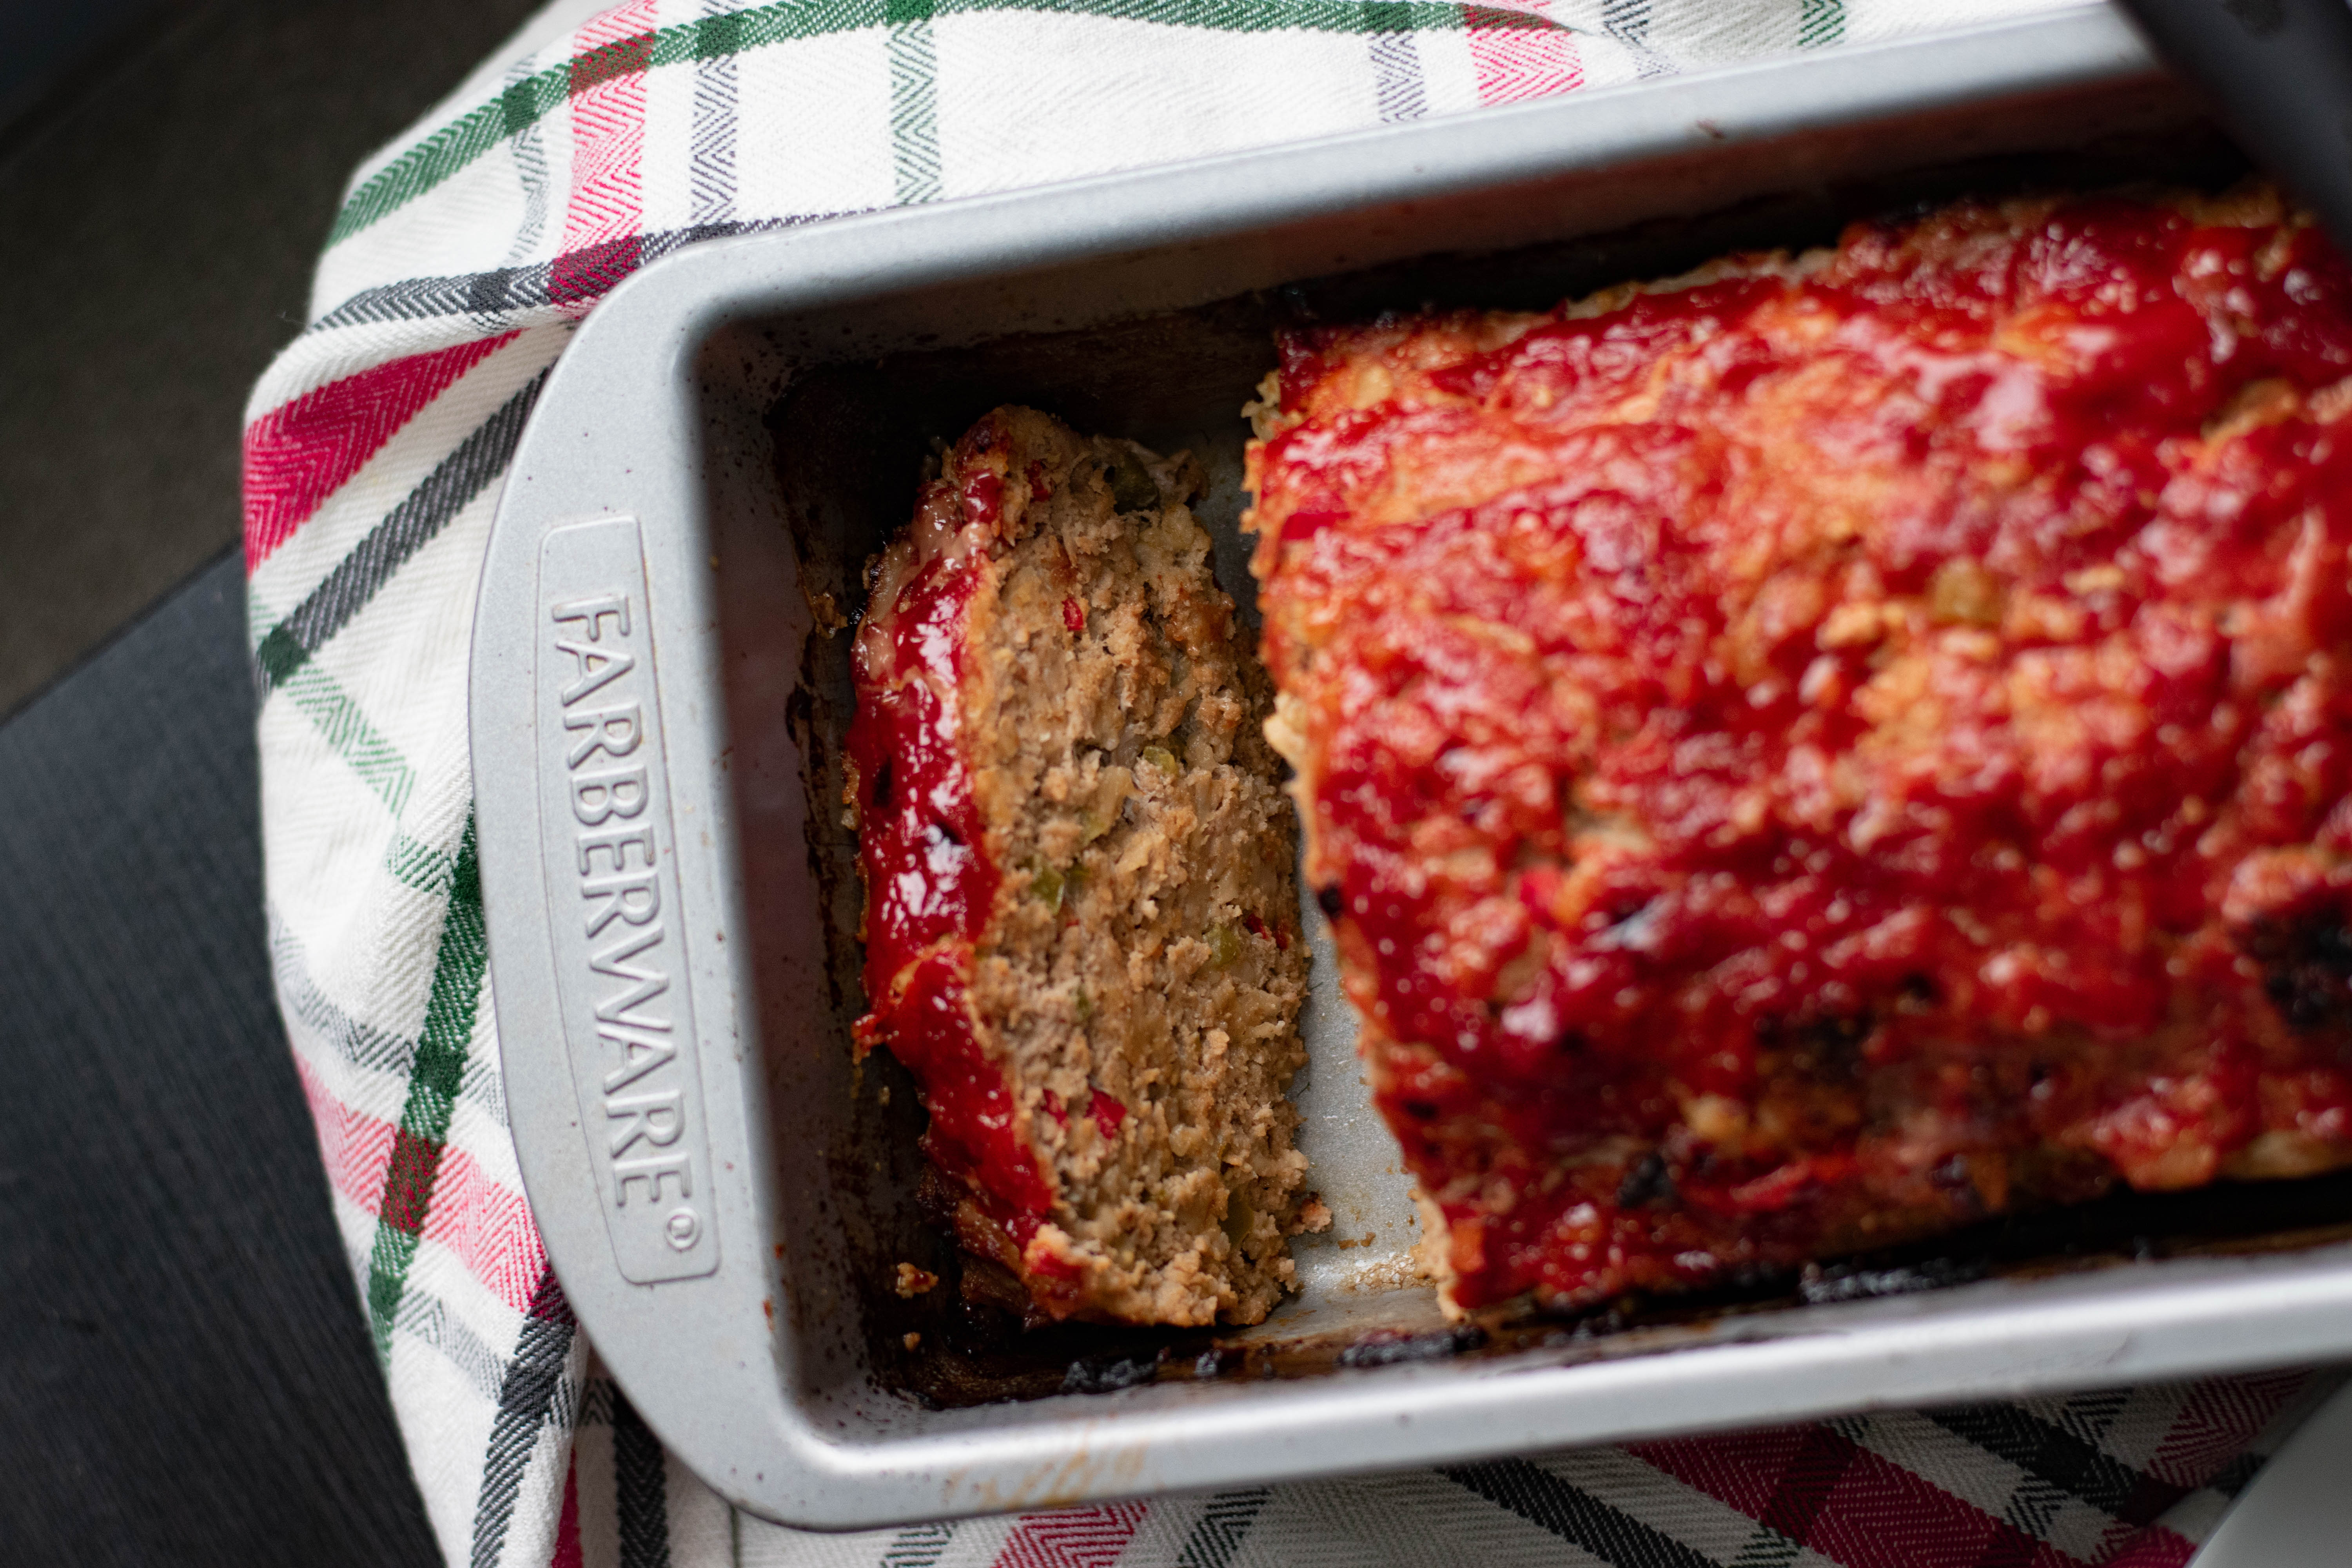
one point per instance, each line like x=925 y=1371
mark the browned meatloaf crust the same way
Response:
x=1820 y=752
x=1081 y=915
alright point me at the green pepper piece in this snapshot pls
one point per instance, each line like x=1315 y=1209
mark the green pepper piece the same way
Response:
x=1132 y=489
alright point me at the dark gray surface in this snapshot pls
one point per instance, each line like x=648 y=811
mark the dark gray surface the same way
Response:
x=165 y=205
x=41 y=42
x=184 y=1377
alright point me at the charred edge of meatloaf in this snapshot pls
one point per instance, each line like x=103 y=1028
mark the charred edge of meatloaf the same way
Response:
x=1137 y=978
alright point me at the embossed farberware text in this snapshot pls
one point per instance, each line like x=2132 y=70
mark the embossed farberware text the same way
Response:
x=613 y=902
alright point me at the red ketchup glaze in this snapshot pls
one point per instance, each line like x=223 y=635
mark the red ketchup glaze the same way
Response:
x=1108 y=1113
x=1257 y=927
x=929 y=883
x=1895 y=754
x=975 y=1126
x=983 y=495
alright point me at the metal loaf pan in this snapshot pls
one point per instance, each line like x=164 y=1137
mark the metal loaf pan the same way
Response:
x=722 y=1193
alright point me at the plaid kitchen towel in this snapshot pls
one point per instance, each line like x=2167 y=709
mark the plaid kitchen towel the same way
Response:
x=374 y=448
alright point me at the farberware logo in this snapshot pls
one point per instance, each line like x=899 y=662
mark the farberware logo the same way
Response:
x=613 y=896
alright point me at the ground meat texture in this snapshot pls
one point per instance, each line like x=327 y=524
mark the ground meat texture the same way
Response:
x=1830 y=748
x=1081 y=928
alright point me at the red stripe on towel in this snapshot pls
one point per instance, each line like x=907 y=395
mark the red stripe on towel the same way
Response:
x=300 y=453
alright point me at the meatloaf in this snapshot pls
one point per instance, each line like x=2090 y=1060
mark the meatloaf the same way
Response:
x=1830 y=748
x=1081 y=918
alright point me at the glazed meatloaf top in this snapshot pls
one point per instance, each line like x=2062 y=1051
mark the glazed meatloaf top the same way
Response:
x=1832 y=748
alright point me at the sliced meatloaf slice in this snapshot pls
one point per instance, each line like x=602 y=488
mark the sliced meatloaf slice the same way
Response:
x=1080 y=923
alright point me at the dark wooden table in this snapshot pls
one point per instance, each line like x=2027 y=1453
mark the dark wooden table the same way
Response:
x=184 y=1375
